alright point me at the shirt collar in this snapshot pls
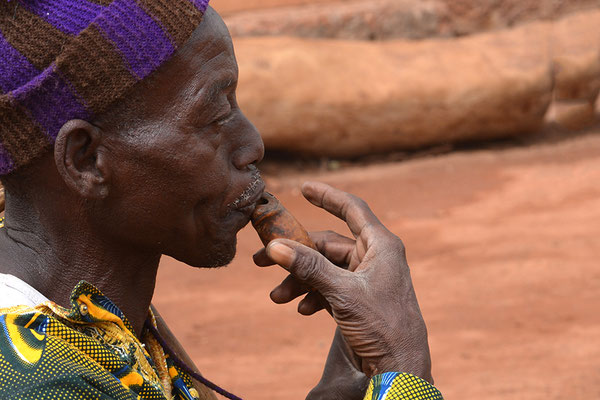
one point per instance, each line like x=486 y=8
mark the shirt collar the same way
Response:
x=90 y=305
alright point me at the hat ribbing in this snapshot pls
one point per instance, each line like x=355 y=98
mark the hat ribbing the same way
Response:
x=67 y=59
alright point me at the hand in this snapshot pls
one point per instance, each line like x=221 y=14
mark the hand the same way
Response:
x=342 y=377
x=373 y=301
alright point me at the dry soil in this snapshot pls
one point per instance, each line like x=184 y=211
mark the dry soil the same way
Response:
x=503 y=245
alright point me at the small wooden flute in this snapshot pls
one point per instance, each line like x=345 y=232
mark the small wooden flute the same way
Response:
x=272 y=220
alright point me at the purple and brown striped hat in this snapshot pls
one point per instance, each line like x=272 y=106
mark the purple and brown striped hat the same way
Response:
x=67 y=59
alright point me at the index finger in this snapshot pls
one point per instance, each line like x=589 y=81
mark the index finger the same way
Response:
x=349 y=208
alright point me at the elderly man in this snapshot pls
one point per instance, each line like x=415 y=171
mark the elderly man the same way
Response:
x=121 y=140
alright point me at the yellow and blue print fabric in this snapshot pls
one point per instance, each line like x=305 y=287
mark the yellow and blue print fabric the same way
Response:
x=401 y=386
x=86 y=352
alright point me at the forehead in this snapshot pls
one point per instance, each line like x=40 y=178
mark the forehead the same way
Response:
x=210 y=43
x=205 y=61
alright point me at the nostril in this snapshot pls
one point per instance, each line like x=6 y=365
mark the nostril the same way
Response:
x=247 y=157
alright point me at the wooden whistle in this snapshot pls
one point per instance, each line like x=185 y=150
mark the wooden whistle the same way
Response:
x=272 y=220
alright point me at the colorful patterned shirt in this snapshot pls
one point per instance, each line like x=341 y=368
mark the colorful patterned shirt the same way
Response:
x=86 y=352
x=401 y=386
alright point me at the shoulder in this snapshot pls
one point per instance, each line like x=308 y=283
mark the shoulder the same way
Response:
x=34 y=364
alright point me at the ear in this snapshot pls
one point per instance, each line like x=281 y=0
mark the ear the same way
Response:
x=79 y=158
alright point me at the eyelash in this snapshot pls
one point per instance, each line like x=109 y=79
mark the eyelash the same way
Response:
x=221 y=120
x=225 y=118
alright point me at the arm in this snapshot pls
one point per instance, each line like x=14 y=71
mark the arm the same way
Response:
x=341 y=379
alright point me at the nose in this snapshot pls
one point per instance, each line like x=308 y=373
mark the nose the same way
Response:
x=250 y=148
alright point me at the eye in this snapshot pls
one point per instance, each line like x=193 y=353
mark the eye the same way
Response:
x=226 y=114
x=222 y=120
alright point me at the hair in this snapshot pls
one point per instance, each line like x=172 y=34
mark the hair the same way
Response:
x=17 y=181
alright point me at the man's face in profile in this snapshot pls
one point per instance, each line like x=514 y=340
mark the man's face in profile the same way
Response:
x=185 y=180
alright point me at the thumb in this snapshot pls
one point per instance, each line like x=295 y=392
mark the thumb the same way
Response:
x=308 y=266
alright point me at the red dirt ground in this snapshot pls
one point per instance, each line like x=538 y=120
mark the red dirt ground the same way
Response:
x=503 y=244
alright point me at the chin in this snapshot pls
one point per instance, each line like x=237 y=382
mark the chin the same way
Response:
x=219 y=255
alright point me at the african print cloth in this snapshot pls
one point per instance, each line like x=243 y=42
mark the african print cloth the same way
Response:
x=401 y=386
x=86 y=352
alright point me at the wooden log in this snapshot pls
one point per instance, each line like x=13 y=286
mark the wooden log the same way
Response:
x=337 y=98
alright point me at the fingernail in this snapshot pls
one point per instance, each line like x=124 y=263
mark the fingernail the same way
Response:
x=281 y=253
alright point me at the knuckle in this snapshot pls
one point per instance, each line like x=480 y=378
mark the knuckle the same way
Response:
x=322 y=237
x=358 y=202
x=399 y=244
x=393 y=243
x=306 y=267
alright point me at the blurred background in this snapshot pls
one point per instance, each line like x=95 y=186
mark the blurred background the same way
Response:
x=472 y=129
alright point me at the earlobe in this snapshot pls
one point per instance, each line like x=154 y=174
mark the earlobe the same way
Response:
x=79 y=158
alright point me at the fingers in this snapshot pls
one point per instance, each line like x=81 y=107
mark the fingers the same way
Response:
x=353 y=210
x=262 y=259
x=312 y=303
x=290 y=289
x=287 y=290
x=308 y=266
x=335 y=247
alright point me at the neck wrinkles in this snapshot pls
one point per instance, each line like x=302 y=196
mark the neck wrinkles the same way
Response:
x=54 y=252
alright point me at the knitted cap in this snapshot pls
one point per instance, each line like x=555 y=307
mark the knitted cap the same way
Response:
x=68 y=59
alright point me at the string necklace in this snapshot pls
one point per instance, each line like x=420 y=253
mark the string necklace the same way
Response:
x=214 y=387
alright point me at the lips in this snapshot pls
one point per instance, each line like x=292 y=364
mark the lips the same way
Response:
x=246 y=202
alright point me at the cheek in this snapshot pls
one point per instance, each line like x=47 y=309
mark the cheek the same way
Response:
x=174 y=188
x=211 y=181
x=199 y=192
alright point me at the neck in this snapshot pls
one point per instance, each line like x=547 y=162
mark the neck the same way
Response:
x=53 y=252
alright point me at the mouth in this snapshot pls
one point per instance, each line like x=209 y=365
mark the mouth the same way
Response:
x=247 y=201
